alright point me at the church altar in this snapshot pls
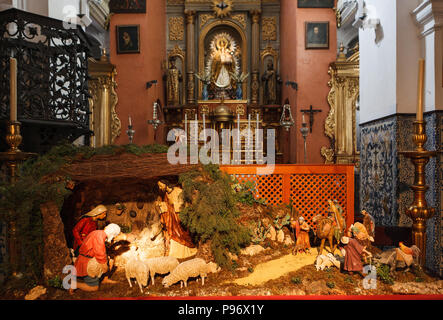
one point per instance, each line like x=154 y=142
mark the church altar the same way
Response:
x=222 y=68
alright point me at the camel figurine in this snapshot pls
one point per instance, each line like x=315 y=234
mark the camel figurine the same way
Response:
x=330 y=227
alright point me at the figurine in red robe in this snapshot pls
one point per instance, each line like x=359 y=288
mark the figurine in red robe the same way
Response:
x=353 y=255
x=302 y=234
x=87 y=224
x=92 y=262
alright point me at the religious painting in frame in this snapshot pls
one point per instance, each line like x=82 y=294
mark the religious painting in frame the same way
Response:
x=127 y=6
x=128 y=39
x=317 y=35
x=316 y=3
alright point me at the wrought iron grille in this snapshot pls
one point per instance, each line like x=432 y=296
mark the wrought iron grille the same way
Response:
x=52 y=82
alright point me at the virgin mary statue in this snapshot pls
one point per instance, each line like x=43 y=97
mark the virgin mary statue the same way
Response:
x=223 y=61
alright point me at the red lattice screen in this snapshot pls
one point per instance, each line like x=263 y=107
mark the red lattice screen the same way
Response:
x=308 y=186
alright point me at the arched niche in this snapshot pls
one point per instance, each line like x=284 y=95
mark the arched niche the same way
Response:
x=268 y=54
x=180 y=59
x=204 y=39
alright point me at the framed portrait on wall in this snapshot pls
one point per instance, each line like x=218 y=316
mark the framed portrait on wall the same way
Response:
x=317 y=35
x=128 y=39
x=127 y=6
x=316 y=3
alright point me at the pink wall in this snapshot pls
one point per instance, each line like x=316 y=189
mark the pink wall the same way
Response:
x=310 y=71
x=134 y=70
x=309 y=68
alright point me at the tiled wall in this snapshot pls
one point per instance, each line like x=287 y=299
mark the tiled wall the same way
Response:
x=386 y=176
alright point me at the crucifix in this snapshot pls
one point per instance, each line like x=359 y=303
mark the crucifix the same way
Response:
x=311 y=116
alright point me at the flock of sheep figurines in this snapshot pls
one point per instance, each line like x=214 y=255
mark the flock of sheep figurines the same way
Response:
x=141 y=270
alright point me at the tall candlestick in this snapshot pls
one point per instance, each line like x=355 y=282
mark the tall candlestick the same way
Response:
x=13 y=88
x=421 y=72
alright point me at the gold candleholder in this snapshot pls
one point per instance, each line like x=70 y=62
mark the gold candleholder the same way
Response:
x=12 y=158
x=419 y=211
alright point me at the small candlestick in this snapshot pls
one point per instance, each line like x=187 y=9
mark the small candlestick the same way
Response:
x=13 y=89
x=421 y=71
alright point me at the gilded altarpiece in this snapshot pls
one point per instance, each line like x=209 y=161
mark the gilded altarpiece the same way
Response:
x=104 y=120
x=340 y=124
x=245 y=34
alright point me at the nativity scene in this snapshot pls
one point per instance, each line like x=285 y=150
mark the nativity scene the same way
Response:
x=226 y=155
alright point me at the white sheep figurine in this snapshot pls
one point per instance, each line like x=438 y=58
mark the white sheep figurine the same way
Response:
x=189 y=269
x=326 y=261
x=135 y=268
x=161 y=265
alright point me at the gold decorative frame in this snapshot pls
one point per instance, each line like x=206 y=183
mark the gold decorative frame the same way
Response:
x=104 y=120
x=201 y=48
x=340 y=124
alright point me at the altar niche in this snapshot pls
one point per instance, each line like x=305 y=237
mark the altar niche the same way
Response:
x=221 y=64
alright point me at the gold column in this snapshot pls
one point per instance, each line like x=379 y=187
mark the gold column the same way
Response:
x=340 y=124
x=255 y=83
x=190 y=50
x=104 y=120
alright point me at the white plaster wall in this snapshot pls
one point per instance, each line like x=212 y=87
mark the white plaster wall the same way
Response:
x=378 y=64
x=409 y=51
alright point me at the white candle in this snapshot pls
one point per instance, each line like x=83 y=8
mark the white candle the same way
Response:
x=256 y=129
x=13 y=88
x=303 y=118
x=249 y=129
x=130 y=121
x=238 y=131
x=421 y=72
x=186 y=128
x=204 y=127
x=196 y=130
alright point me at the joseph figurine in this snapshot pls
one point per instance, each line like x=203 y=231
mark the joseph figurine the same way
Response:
x=173 y=79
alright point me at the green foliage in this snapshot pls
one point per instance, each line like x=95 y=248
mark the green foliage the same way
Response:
x=330 y=284
x=279 y=223
x=125 y=228
x=20 y=201
x=56 y=282
x=384 y=274
x=251 y=269
x=212 y=212
x=419 y=274
x=349 y=279
x=296 y=280
x=245 y=193
x=259 y=233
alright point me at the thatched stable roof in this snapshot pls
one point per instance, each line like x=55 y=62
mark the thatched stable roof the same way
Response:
x=124 y=166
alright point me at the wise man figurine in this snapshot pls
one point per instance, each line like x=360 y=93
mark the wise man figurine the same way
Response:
x=173 y=79
x=271 y=79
